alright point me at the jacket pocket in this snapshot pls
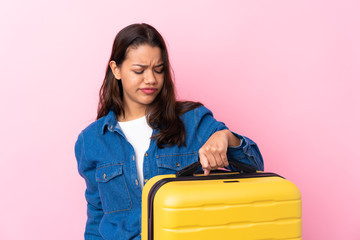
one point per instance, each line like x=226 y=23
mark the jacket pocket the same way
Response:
x=171 y=163
x=113 y=190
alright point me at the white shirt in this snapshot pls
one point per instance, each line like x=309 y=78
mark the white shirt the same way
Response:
x=138 y=134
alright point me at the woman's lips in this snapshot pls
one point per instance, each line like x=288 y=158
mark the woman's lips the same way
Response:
x=148 y=90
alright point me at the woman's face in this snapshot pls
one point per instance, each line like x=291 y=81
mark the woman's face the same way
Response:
x=142 y=76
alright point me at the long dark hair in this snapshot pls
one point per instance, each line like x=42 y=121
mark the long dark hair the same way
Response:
x=164 y=112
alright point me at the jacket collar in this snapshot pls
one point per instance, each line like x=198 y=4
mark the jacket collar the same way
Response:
x=110 y=122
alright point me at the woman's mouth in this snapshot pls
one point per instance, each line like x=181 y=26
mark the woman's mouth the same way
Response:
x=148 y=90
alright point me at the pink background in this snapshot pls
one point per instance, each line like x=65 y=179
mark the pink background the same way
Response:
x=285 y=73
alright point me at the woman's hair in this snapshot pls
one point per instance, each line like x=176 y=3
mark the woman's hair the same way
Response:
x=164 y=112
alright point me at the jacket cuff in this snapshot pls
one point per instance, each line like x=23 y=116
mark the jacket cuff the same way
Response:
x=240 y=152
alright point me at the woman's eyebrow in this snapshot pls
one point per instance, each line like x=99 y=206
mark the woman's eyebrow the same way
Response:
x=144 y=66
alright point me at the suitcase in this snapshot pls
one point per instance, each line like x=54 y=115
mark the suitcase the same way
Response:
x=232 y=205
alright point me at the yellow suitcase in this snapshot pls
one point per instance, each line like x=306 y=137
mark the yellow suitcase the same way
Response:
x=238 y=206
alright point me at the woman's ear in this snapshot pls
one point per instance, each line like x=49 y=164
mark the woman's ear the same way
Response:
x=115 y=70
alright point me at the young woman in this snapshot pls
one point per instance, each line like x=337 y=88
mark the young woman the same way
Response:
x=142 y=131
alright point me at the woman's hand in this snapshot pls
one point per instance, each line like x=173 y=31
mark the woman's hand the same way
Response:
x=213 y=153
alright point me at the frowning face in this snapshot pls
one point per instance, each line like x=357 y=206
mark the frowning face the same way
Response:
x=142 y=76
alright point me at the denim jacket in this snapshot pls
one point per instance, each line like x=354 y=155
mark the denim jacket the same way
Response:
x=106 y=160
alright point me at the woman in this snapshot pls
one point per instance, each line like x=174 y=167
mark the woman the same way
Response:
x=142 y=131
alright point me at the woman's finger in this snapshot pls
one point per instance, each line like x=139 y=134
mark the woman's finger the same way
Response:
x=213 y=157
x=219 y=160
x=204 y=163
x=213 y=161
x=224 y=159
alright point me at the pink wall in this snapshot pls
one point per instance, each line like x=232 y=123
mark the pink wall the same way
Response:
x=285 y=73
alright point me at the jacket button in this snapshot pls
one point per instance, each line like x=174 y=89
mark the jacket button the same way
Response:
x=104 y=176
x=136 y=182
x=178 y=164
x=146 y=180
x=133 y=157
x=146 y=154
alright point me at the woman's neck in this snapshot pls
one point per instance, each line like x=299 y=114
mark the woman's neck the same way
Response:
x=132 y=113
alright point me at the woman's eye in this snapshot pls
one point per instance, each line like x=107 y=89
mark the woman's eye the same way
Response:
x=159 y=71
x=139 y=72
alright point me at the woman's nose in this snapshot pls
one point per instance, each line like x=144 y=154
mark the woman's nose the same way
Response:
x=150 y=78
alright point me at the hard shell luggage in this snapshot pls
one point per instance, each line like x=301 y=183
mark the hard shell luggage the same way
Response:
x=231 y=205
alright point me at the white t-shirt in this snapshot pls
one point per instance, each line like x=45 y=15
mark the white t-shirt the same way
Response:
x=138 y=134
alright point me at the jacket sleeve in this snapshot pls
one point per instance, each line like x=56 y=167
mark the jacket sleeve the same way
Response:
x=247 y=153
x=94 y=207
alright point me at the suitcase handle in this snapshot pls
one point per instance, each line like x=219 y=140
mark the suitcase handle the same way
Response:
x=192 y=168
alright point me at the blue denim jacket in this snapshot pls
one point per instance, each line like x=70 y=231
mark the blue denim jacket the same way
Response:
x=106 y=160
